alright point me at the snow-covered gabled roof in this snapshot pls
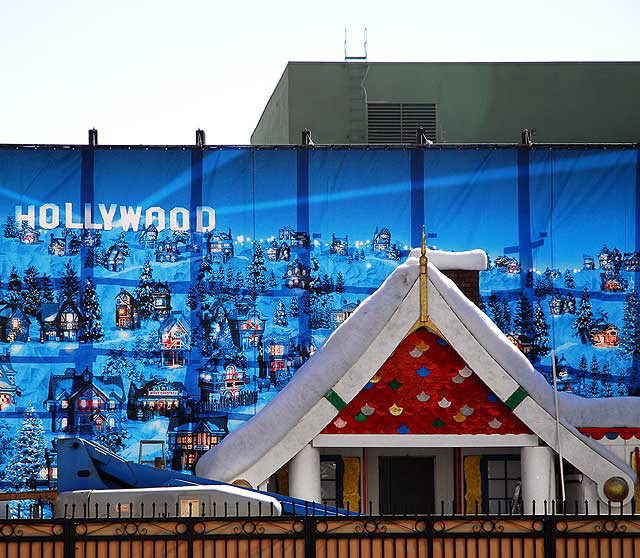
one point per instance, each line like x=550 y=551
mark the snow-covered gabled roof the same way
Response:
x=361 y=345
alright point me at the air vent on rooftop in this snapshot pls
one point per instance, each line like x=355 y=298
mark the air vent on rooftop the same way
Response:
x=397 y=122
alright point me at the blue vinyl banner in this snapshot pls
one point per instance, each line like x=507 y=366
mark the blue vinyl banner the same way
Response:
x=165 y=295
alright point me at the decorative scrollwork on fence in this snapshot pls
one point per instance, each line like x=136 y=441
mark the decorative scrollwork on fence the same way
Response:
x=487 y=526
x=249 y=528
x=8 y=530
x=609 y=526
x=371 y=526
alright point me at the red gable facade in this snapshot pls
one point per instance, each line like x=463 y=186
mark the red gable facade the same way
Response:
x=424 y=387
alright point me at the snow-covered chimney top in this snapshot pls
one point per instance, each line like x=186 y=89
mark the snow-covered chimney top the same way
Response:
x=471 y=260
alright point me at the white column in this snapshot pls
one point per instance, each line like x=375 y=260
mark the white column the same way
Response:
x=304 y=474
x=538 y=478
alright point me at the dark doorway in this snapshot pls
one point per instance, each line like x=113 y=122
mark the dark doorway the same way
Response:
x=406 y=485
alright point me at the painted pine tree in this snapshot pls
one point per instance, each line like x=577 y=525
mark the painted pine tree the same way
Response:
x=339 y=283
x=118 y=364
x=122 y=244
x=70 y=284
x=584 y=318
x=11 y=229
x=32 y=294
x=280 y=316
x=6 y=440
x=144 y=291
x=494 y=306
x=47 y=288
x=506 y=314
x=273 y=283
x=595 y=367
x=569 y=281
x=294 y=307
x=523 y=319
x=630 y=332
x=113 y=439
x=27 y=453
x=541 y=345
x=256 y=272
x=92 y=316
x=14 y=286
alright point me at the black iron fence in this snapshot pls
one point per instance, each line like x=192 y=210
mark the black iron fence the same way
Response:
x=164 y=531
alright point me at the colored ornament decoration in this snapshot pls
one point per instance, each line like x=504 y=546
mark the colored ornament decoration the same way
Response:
x=444 y=403
x=404 y=386
x=416 y=353
x=340 y=423
x=367 y=410
x=442 y=342
x=395 y=384
x=395 y=410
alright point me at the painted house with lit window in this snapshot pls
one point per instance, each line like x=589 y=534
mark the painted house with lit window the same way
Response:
x=157 y=397
x=297 y=275
x=174 y=340
x=127 y=315
x=148 y=237
x=58 y=244
x=9 y=391
x=114 y=259
x=161 y=296
x=339 y=315
x=167 y=250
x=247 y=328
x=60 y=322
x=339 y=245
x=419 y=398
x=278 y=359
x=29 y=235
x=82 y=403
x=220 y=246
x=14 y=324
x=191 y=438
x=295 y=239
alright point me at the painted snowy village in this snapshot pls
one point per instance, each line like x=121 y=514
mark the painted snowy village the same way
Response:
x=175 y=338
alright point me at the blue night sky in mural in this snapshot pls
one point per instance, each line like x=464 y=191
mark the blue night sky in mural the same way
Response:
x=158 y=334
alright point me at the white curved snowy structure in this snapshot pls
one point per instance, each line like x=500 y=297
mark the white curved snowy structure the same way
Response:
x=344 y=364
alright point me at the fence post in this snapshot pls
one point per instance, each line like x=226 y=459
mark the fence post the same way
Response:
x=549 y=526
x=68 y=537
x=309 y=536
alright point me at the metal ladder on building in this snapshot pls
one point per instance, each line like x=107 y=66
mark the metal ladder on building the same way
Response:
x=357 y=68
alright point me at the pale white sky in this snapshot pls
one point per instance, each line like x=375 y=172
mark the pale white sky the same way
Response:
x=154 y=71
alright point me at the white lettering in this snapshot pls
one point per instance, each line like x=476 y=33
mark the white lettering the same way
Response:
x=173 y=219
x=211 y=218
x=107 y=215
x=158 y=213
x=29 y=216
x=68 y=217
x=54 y=210
x=130 y=217
x=87 y=218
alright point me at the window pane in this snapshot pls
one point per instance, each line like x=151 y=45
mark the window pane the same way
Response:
x=513 y=469
x=511 y=488
x=496 y=489
x=328 y=490
x=328 y=469
x=495 y=469
x=498 y=506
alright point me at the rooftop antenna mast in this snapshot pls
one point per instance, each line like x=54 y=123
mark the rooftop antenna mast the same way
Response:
x=348 y=58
